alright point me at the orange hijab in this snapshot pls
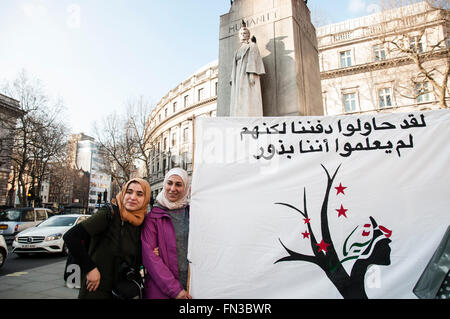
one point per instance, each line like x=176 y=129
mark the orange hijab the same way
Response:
x=135 y=218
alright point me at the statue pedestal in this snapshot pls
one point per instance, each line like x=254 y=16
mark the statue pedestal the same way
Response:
x=288 y=45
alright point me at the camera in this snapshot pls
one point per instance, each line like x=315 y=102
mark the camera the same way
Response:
x=129 y=283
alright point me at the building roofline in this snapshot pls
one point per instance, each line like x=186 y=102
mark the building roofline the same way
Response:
x=371 y=19
x=166 y=98
x=10 y=104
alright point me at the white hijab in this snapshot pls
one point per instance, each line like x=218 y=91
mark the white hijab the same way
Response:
x=162 y=200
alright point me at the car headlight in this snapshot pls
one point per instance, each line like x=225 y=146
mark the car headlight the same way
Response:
x=16 y=239
x=53 y=237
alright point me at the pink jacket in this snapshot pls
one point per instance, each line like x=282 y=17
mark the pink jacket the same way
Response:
x=162 y=279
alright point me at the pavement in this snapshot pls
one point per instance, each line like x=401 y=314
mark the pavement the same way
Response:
x=44 y=282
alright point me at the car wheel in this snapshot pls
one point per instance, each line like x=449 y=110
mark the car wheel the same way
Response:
x=2 y=257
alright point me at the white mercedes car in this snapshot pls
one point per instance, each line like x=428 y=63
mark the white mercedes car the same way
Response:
x=3 y=250
x=47 y=236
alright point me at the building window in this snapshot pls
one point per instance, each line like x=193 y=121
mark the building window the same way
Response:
x=423 y=92
x=186 y=101
x=384 y=97
x=185 y=135
x=349 y=102
x=379 y=53
x=165 y=144
x=415 y=44
x=346 y=59
x=174 y=107
x=159 y=118
x=216 y=87
x=174 y=139
x=201 y=93
x=166 y=113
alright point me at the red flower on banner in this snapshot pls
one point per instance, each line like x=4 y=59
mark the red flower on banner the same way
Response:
x=322 y=246
x=342 y=211
x=340 y=189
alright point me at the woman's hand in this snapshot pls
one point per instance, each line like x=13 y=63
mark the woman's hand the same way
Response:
x=156 y=251
x=93 y=280
x=183 y=295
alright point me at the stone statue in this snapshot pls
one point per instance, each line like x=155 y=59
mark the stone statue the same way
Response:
x=246 y=97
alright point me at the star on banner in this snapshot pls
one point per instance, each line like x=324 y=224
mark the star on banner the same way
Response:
x=306 y=234
x=306 y=220
x=323 y=246
x=340 y=189
x=342 y=211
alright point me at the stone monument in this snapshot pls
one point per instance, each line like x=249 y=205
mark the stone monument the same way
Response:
x=247 y=68
x=287 y=42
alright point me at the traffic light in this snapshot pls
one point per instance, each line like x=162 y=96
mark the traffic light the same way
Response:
x=99 y=198
x=105 y=195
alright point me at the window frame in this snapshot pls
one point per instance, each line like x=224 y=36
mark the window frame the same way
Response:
x=416 y=41
x=186 y=135
x=383 y=95
x=355 y=100
x=346 y=56
x=200 y=94
x=376 y=50
x=424 y=89
x=174 y=138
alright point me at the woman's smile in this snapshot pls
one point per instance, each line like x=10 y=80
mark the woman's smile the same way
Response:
x=134 y=197
x=174 y=188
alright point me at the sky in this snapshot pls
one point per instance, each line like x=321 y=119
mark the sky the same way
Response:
x=96 y=55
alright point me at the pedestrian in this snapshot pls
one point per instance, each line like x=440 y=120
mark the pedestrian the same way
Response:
x=114 y=240
x=166 y=229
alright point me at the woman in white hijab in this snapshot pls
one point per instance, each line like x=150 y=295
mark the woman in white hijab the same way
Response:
x=175 y=192
x=166 y=228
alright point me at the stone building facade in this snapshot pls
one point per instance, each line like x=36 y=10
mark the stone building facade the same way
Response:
x=9 y=112
x=171 y=123
x=365 y=64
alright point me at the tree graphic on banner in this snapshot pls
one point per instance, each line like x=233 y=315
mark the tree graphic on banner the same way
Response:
x=371 y=248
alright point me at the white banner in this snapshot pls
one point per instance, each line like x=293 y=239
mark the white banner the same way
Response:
x=317 y=207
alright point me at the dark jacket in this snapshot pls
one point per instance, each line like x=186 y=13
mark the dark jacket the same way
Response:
x=104 y=253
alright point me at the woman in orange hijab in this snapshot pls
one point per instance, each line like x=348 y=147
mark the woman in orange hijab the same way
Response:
x=114 y=235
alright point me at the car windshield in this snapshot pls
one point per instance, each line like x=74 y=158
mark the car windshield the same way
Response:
x=58 y=221
x=10 y=216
